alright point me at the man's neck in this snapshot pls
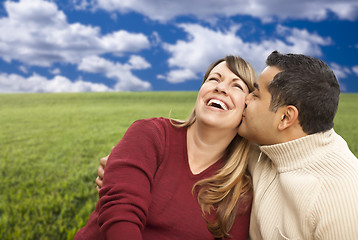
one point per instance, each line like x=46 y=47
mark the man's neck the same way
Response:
x=290 y=134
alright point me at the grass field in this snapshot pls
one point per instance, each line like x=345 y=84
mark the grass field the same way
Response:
x=50 y=145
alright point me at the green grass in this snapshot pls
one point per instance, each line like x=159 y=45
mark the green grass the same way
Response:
x=50 y=148
x=50 y=145
x=346 y=120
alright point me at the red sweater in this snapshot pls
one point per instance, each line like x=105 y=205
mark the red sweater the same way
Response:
x=147 y=189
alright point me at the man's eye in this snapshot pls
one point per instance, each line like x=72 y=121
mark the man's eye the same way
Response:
x=254 y=94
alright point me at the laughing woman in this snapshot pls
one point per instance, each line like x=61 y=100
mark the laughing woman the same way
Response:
x=171 y=179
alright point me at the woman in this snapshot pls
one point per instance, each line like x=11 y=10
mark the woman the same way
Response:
x=171 y=179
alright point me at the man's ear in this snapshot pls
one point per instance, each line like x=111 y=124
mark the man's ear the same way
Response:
x=289 y=116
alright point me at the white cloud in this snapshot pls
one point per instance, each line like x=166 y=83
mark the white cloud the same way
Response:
x=355 y=69
x=340 y=71
x=156 y=40
x=138 y=62
x=40 y=35
x=15 y=83
x=55 y=71
x=192 y=56
x=123 y=41
x=23 y=69
x=302 y=41
x=82 y=4
x=126 y=81
x=164 y=10
x=180 y=75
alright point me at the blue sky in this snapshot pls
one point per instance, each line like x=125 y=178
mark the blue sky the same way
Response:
x=161 y=45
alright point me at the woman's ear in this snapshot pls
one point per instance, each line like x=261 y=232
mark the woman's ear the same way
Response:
x=289 y=117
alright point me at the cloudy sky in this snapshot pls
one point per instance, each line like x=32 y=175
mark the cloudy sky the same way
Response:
x=157 y=45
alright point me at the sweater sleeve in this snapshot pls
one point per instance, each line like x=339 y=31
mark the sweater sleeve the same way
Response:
x=126 y=193
x=336 y=210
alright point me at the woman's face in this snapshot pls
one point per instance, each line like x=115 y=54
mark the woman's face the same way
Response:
x=221 y=99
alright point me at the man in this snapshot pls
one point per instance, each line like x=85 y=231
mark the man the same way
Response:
x=306 y=178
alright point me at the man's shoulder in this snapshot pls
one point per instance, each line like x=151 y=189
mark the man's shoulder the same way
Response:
x=335 y=166
x=334 y=158
x=337 y=170
x=341 y=156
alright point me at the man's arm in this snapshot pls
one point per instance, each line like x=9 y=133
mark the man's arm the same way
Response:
x=336 y=211
x=100 y=171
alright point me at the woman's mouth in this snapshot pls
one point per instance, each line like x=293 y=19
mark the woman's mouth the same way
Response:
x=218 y=104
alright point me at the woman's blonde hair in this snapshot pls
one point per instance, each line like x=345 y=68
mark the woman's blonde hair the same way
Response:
x=229 y=190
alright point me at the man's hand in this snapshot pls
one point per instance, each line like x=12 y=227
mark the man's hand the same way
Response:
x=100 y=170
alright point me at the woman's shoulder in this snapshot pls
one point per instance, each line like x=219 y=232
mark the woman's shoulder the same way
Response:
x=154 y=120
x=157 y=127
x=158 y=123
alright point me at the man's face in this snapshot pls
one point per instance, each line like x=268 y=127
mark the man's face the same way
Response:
x=259 y=123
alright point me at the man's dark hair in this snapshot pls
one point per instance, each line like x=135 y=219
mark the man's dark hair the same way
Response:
x=308 y=84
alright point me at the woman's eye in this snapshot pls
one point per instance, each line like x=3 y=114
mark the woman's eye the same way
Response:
x=213 y=79
x=238 y=86
x=254 y=94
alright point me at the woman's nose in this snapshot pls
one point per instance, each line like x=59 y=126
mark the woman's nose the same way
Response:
x=221 y=88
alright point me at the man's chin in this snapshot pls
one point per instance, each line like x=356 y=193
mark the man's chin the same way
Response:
x=242 y=129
